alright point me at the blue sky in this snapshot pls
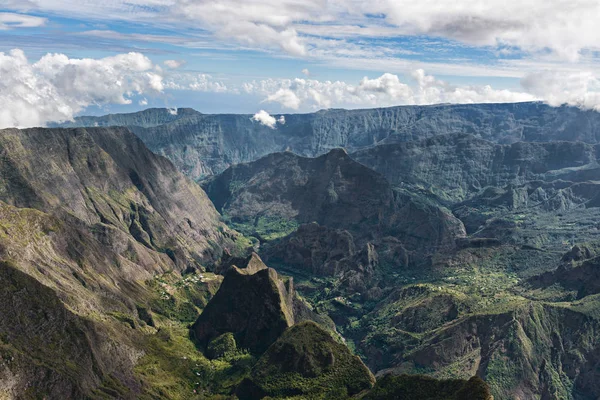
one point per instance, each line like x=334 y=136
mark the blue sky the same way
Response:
x=290 y=55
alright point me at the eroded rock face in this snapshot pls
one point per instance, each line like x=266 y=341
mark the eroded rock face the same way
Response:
x=322 y=251
x=48 y=351
x=202 y=145
x=107 y=176
x=518 y=352
x=332 y=190
x=577 y=281
x=254 y=304
x=348 y=214
x=457 y=166
x=87 y=218
x=306 y=361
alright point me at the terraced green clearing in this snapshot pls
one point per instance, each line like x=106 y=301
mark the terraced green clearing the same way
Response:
x=266 y=228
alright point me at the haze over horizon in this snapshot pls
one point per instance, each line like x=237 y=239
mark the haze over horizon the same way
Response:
x=60 y=59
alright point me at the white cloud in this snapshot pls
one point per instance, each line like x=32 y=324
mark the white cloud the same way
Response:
x=563 y=26
x=56 y=87
x=255 y=23
x=285 y=97
x=172 y=111
x=268 y=120
x=143 y=102
x=19 y=5
x=174 y=64
x=386 y=90
x=306 y=72
x=196 y=82
x=558 y=87
x=12 y=20
x=581 y=89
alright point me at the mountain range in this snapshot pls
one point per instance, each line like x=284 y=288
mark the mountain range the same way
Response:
x=432 y=252
x=206 y=144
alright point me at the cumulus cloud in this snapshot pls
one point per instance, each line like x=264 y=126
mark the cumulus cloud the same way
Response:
x=196 y=82
x=306 y=72
x=174 y=64
x=13 y=20
x=385 y=90
x=581 y=89
x=267 y=120
x=57 y=87
x=286 y=97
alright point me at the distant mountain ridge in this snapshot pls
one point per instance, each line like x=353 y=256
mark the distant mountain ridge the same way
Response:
x=145 y=118
x=204 y=144
x=456 y=166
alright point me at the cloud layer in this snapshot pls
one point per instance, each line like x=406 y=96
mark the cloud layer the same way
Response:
x=13 y=20
x=562 y=27
x=386 y=90
x=56 y=88
x=581 y=89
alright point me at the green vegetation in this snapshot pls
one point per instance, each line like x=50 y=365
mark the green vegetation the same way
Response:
x=173 y=368
x=182 y=298
x=265 y=227
x=221 y=346
x=307 y=362
x=92 y=312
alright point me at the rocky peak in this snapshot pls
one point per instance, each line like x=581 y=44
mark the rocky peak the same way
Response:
x=332 y=190
x=253 y=303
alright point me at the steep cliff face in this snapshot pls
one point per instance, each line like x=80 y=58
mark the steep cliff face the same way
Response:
x=143 y=119
x=455 y=167
x=330 y=215
x=202 y=145
x=323 y=251
x=47 y=351
x=532 y=351
x=332 y=190
x=255 y=305
x=88 y=219
x=252 y=303
x=571 y=281
x=543 y=195
x=107 y=176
